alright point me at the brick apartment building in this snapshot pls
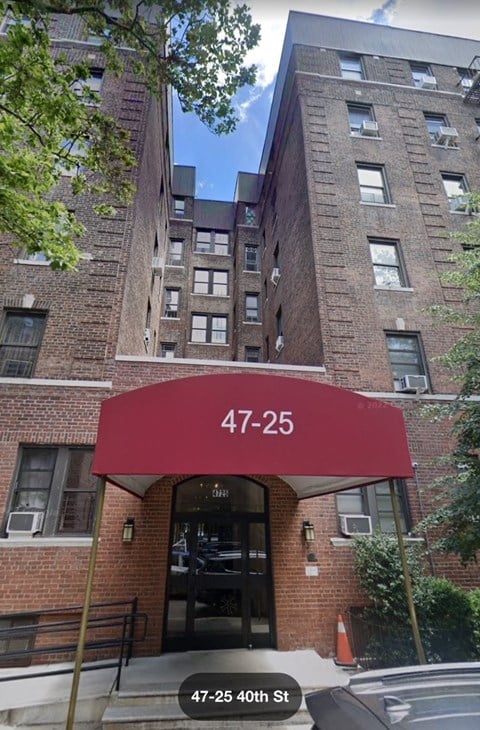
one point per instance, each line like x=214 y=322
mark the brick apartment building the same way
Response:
x=240 y=317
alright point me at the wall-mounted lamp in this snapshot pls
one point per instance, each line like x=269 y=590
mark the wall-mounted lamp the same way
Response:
x=308 y=531
x=128 y=531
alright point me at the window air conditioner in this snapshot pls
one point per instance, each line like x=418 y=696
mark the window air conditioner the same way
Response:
x=428 y=82
x=446 y=136
x=369 y=128
x=24 y=523
x=356 y=524
x=147 y=335
x=413 y=384
x=275 y=277
x=280 y=343
x=466 y=83
x=157 y=265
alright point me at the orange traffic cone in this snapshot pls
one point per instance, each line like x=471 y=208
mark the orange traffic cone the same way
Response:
x=344 y=654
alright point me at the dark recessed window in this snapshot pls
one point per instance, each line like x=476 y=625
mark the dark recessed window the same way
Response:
x=167 y=350
x=252 y=313
x=406 y=356
x=20 y=340
x=375 y=501
x=253 y=354
x=209 y=328
x=172 y=300
x=251 y=258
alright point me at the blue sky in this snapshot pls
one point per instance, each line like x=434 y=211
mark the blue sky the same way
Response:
x=218 y=159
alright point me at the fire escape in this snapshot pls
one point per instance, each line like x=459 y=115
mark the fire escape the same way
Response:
x=470 y=82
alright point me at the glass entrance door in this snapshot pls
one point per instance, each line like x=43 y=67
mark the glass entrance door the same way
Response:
x=219 y=582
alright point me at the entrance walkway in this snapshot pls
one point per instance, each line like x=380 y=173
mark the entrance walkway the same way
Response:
x=148 y=689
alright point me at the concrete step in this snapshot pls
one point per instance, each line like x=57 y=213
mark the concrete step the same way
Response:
x=52 y=715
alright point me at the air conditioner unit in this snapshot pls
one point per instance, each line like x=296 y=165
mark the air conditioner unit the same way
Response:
x=427 y=82
x=369 y=128
x=280 y=343
x=147 y=335
x=275 y=277
x=446 y=136
x=356 y=524
x=466 y=83
x=413 y=384
x=157 y=265
x=24 y=524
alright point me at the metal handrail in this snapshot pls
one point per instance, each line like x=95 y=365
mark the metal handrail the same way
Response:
x=127 y=621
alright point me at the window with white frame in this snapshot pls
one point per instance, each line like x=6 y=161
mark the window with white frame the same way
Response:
x=252 y=307
x=375 y=501
x=172 y=301
x=209 y=328
x=209 y=281
x=373 y=187
x=175 y=252
x=406 y=355
x=357 y=115
x=212 y=242
x=456 y=189
x=351 y=67
x=57 y=481
x=20 y=339
x=388 y=266
x=167 y=350
x=91 y=86
x=178 y=207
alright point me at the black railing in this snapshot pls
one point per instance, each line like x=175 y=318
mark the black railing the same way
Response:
x=108 y=628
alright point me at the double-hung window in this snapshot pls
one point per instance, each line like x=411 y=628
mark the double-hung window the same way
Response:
x=252 y=307
x=387 y=264
x=373 y=187
x=175 y=252
x=253 y=354
x=20 y=339
x=58 y=482
x=178 y=207
x=209 y=328
x=167 y=350
x=351 y=67
x=406 y=356
x=375 y=501
x=172 y=301
x=422 y=76
x=90 y=87
x=435 y=123
x=251 y=258
x=209 y=281
x=212 y=242
x=357 y=115
x=456 y=189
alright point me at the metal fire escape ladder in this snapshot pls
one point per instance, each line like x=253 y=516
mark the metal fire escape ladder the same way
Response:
x=471 y=82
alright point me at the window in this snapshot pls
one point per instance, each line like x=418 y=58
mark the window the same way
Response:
x=59 y=482
x=422 y=76
x=19 y=642
x=357 y=115
x=477 y=122
x=253 y=354
x=279 y=322
x=208 y=281
x=172 y=299
x=179 y=207
x=10 y=19
x=211 y=328
x=70 y=157
x=252 y=308
x=351 y=67
x=20 y=340
x=375 y=501
x=91 y=86
x=212 y=242
x=434 y=122
x=251 y=258
x=466 y=76
x=406 y=357
x=387 y=266
x=456 y=189
x=250 y=215
x=167 y=350
x=276 y=257
x=175 y=252
x=373 y=188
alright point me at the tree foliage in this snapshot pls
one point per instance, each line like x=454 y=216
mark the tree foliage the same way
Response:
x=458 y=515
x=51 y=123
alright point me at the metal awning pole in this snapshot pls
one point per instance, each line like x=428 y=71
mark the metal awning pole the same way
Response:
x=406 y=575
x=86 y=606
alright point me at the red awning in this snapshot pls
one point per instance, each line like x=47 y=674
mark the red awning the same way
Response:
x=316 y=437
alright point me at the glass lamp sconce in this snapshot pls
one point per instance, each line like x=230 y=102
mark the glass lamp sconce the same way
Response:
x=128 y=531
x=308 y=531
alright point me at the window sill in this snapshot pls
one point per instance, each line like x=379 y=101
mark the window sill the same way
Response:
x=245 y=321
x=209 y=344
x=210 y=253
x=175 y=266
x=31 y=263
x=378 y=205
x=251 y=271
x=365 y=136
x=168 y=319
x=344 y=541
x=43 y=542
x=217 y=296
x=378 y=287
x=445 y=147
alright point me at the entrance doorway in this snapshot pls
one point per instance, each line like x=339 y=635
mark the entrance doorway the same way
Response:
x=219 y=592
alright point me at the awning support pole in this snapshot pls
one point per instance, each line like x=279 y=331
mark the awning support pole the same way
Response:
x=406 y=575
x=86 y=606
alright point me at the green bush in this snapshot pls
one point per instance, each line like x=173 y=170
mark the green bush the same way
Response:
x=474 y=600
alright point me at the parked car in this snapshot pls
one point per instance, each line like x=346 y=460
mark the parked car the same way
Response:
x=427 y=697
